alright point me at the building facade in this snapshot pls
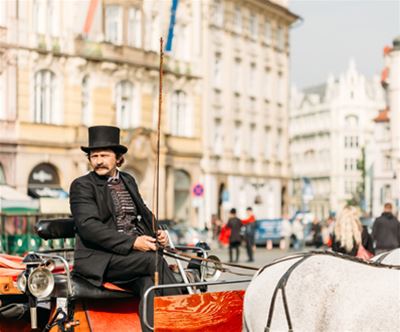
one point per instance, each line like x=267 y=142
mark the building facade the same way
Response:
x=68 y=65
x=330 y=129
x=385 y=180
x=245 y=109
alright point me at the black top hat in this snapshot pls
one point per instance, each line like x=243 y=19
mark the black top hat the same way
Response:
x=104 y=137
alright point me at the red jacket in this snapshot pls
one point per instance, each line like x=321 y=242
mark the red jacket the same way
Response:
x=249 y=220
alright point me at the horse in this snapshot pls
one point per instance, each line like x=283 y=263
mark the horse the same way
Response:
x=324 y=291
x=388 y=257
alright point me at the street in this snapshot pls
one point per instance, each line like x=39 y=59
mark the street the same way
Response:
x=262 y=257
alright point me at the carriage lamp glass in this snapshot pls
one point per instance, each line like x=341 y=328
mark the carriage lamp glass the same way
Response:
x=21 y=282
x=41 y=282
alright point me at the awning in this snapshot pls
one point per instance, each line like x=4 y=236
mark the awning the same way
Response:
x=50 y=192
x=13 y=201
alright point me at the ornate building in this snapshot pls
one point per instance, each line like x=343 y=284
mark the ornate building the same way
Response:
x=245 y=108
x=67 y=65
x=330 y=124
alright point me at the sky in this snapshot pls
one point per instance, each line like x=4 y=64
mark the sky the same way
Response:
x=334 y=31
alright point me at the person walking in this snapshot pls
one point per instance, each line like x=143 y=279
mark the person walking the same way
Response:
x=316 y=230
x=234 y=224
x=286 y=232
x=298 y=233
x=115 y=240
x=386 y=230
x=349 y=234
x=249 y=235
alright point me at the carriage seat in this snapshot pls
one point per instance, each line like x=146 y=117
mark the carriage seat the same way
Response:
x=49 y=229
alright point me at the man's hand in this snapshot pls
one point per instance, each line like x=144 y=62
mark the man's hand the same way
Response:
x=162 y=238
x=145 y=243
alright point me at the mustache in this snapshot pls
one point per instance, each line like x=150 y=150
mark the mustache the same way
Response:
x=101 y=167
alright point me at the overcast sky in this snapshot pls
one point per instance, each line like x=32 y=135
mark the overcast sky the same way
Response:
x=333 y=31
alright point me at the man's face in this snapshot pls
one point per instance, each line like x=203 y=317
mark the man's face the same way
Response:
x=103 y=162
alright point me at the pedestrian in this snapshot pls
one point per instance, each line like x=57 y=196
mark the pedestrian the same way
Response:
x=286 y=232
x=316 y=230
x=216 y=225
x=234 y=224
x=349 y=234
x=386 y=230
x=115 y=239
x=298 y=233
x=249 y=234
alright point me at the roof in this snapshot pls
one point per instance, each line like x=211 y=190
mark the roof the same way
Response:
x=316 y=90
x=383 y=116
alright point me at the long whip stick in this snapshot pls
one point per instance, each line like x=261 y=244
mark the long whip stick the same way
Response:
x=157 y=165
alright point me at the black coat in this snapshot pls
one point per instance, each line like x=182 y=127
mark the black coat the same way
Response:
x=97 y=237
x=235 y=225
x=386 y=232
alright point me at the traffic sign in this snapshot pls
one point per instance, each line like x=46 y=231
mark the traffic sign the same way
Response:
x=198 y=190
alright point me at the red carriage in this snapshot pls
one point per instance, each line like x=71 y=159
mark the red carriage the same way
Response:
x=39 y=292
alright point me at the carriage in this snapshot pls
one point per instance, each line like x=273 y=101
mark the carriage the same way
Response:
x=40 y=292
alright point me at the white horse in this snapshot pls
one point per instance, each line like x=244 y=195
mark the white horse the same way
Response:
x=390 y=257
x=323 y=292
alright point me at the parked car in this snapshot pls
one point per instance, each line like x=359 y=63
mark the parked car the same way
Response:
x=184 y=234
x=268 y=229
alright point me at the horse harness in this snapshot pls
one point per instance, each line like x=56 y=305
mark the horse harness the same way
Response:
x=281 y=285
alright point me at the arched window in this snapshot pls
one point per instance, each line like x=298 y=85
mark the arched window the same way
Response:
x=351 y=121
x=86 y=115
x=2 y=175
x=181 y=121
x=45 y=96
x=124 y=104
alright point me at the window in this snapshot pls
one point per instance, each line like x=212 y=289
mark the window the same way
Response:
x=3 y=95
x=2 y=175
x=134 y=27
x=124 y=104
x=266 y=143
x=237 y=141
x=182 y=42
x=45 y=90
x=181 y=121
x=267 y=84
x=154 y=33
x=86 y=109
x=267 y=32
x=219 y=13
x=386 y=194
x=252 y=141
x=39 y=17
x=253 y=26
x=281 y=93
x=280 y=38
x=53 y=15
x=252 y=79
x=217 y=75
x=218 y=141
x=113 y=24
x=46 y=17
x=387 y=163
x=236 y=76
x=237 y=20
x=2 y=13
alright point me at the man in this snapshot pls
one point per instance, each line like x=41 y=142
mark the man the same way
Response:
x=386 y=230
x=115 y=240
x=234 y=224
x=250 y=231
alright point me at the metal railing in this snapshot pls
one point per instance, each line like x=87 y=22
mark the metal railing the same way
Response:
x=18 y=235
